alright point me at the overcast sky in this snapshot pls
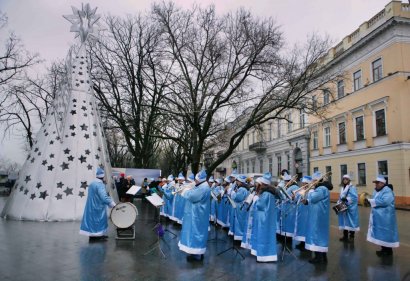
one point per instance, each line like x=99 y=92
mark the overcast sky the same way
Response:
x=39 y=23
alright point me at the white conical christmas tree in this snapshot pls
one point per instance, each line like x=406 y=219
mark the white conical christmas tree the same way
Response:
x=52 y=185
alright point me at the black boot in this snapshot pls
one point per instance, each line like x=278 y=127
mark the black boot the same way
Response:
x=345 y=237
x=385 y=252
x=301 y=246
x=351 y=236
x=320 y=258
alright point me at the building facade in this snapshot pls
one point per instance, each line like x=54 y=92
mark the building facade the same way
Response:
x=366 y=130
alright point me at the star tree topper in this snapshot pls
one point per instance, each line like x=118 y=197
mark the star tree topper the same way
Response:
x=84 y=22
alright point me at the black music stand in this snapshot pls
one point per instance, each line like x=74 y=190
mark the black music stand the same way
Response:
x=283 y=215
x=157 y=243
x=216 y=239
x=233 y=247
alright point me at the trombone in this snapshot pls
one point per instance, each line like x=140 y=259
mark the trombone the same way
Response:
x=305 y=190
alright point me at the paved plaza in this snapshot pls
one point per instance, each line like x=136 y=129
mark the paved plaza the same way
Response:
x=55 y=251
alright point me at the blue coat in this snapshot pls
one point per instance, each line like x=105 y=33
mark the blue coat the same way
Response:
x=265 y=242
x=349 y=220
x=194 y=233
x=382 y=223
x=216 y=190
x=239 y=214
x=289 y=214
x=250 y=229
x=301 y=222
x=94 y=221
x=317 y=235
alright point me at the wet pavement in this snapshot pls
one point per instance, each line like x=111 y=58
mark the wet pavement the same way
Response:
x=55 y=251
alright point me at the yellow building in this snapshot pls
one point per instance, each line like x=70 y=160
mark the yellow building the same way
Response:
x=366 y=131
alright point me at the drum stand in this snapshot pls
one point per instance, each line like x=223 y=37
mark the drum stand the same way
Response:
x=285 y=247
x=126 y=233
x=233 y=247
x=157 y=244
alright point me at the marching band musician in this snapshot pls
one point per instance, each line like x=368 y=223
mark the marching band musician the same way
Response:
x=239 y=214
x=179 y=201
x=211 y=183
x=382 y=229
x=288 y=212
x=249 y=222
x=302 y=217
x=222 y=213
x=194 y=233
x=168 y=188
x=232 y=187
x=216 y=190
x=317 y=235
x=349 y=219
x=94 y=223
x=263 y=240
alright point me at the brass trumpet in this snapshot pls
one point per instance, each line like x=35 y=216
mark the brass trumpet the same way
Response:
x=313 y=184
x=183 y=188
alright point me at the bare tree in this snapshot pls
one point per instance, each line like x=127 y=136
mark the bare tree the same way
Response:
x=232 y=74
x=27 y=101
x=14 y=59
x=130 y=79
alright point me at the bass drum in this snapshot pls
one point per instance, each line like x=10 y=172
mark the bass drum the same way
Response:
x=123 y=215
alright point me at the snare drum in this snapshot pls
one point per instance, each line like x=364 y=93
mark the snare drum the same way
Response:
x=339 y=208
x=123 y=215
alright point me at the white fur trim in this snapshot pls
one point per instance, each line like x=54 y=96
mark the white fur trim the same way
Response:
x=245 y=245
x=372 y=202
x=300 y=238
x=316 y=248
x=237 y=237
x=253 y=252
x=192 y=251
x=230 y=233
x=349 y=228
x=382 y=243
x=211 y=218
x=221 y=223
x=288 y=234
x=86 y=233
x=267 y=258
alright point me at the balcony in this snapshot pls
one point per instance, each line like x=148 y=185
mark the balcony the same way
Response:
x=258 y=147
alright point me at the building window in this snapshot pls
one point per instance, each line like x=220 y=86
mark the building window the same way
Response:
x=248 y=139
x=382 y=168
x=326 y=136
x=329 y=170
x=270 y=131
x=361 y=171
x=343 y=170
x=340 y=89
x=315 y=169
x=279 y=164
x=326 y=97
x=314 y=103
x=380 y=118
x=288 y=162
x=342 y=132
x=302 y=117
x=271 y=165
x=315 y=140
x=240 y=167
x=247 y=167
x=253 y=166
x=253 y=137
x=261 y=166
x=359 y=128
x=357 y=80
x=377 y=70
x=288 y=117
x=279 y=131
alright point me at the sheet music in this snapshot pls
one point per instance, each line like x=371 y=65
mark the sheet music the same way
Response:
x=133 y=189
x=155 y=200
